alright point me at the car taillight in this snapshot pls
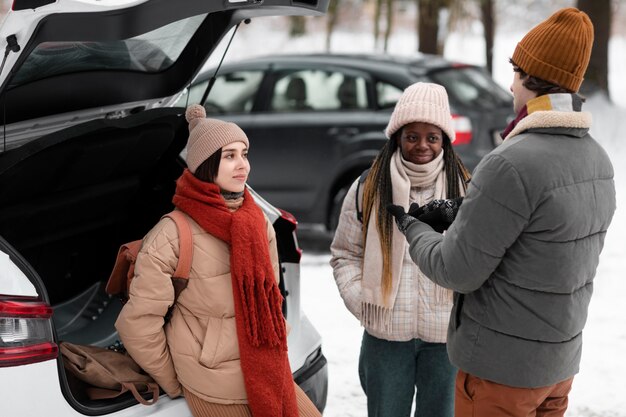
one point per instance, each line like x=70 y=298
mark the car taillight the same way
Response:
x=289 y=217
x=462 y=128
x=25 y=331
x=293 y=222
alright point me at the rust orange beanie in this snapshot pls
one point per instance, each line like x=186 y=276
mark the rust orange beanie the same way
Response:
x=558 y=49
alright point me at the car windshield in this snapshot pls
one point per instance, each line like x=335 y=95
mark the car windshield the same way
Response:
x=150 y=52
x=473 y=87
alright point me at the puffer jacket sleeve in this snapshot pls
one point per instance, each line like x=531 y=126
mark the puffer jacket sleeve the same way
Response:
x=140 y=323
x=347 y=254
x=493 y=214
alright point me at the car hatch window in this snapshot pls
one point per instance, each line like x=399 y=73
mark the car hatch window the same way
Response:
x=231 y=93
x=322 y=90
x=150 y=52
x=387 y=95
x=472 y=87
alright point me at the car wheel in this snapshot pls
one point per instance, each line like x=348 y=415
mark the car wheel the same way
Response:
x=335 y=211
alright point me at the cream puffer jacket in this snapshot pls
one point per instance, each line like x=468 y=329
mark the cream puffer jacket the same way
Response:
x=198 y=347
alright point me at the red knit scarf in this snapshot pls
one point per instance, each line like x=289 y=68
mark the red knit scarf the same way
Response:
x=260 y=324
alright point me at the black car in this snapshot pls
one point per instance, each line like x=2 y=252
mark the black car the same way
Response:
x=316 y=121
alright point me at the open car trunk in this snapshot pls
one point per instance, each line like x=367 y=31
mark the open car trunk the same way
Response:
x=69 y=199
x=90 y=152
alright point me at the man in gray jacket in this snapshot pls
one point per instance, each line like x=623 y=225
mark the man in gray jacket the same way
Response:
x=522 y=252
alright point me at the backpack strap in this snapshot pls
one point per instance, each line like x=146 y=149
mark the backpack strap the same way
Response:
x=180 y=278
x=186 y=244
x=359 y=195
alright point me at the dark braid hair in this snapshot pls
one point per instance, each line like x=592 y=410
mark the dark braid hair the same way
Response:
x=377 y=192
x=456 y=173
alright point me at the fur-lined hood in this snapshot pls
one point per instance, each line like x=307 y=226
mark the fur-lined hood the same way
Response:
x=551 y=111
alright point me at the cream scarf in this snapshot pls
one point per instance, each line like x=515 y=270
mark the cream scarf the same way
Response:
x=376 y=312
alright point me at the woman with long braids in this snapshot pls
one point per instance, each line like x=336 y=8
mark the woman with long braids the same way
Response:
x=405 y=315
x=225 y=345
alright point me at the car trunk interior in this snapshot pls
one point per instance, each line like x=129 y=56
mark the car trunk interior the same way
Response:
x=69 y=199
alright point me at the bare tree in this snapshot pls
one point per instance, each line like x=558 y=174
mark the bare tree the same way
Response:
x=428 y=26
x=378 y=6
x=597 y=75
x=381 y=6
x=488 y=18
x=331 y=20
x=389 y=25
x=297 y=26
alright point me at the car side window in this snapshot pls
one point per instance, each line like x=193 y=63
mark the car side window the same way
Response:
x=232 y=93
x=387 y=95
x=318 y=90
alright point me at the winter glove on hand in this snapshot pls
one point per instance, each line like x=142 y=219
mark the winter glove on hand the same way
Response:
x=415 y=210
x=439 y=214
x=403 y=219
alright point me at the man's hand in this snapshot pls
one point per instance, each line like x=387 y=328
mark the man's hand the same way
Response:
x=415 y=210
x=403 y=219
x=439 y=214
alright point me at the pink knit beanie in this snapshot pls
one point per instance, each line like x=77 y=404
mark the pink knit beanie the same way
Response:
x=422 y=102
x=206 y=136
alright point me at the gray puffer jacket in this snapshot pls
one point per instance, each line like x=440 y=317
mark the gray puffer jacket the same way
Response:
x=523 y=251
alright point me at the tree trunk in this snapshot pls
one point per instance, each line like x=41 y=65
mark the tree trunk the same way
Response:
x=597 y=75
x=389 y=27
x=488 y=18
x=331 y=21
x=378 y=5
x=297 y=26
x=428 y=26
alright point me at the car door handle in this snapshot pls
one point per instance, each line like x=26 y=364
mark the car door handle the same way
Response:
x=342 y=131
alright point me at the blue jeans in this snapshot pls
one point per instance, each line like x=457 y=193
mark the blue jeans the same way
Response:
x=392 y=372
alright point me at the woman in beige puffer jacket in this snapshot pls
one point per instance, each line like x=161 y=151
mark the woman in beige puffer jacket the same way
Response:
x=225 y=344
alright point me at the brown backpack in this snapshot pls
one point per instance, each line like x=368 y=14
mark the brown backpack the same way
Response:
x=124 y=268
x=106 y=373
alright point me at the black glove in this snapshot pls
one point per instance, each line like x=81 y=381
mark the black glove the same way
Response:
x=403 y=219
x=415 y=210
x=439 y=214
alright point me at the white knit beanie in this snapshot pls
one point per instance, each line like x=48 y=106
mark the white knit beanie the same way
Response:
x=206 y=136
x=422 y=102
